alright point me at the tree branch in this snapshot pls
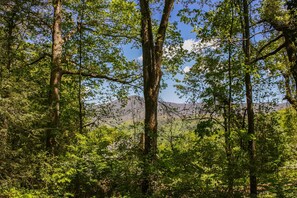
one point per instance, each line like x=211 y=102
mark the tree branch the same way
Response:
x=288 y=95
x=38 y=59
x=99 y=76
x=267 y=55
x=121 y=36
x=271 y=41
x=71 y=33
x=115 y=33
x=163 y=25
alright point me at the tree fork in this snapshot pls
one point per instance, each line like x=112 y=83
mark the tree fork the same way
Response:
x=152 y=59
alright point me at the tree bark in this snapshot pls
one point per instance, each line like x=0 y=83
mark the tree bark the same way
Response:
x=229 y=152
x=10 y=27
x=249 y=101
x=80 y=102
x=56 y=74
x=291 y=49
x=152 y=59
x=10 y=19
x=289 y=33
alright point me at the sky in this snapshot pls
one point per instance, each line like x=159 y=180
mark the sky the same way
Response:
x=169 y=94
x=190 y=40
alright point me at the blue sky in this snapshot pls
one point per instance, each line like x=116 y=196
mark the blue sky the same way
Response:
x=169 y=94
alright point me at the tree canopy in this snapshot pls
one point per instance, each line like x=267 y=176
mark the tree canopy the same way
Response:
x=81 y=112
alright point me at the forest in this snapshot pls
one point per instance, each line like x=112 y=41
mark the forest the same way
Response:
x=148 y=98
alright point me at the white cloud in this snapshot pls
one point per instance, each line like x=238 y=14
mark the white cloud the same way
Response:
x=189 y=44
x=140 y=58
x=197 y=46
x=187 y=69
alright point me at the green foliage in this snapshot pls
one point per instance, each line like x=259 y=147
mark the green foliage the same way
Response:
x=198 y=156
x=205 y=128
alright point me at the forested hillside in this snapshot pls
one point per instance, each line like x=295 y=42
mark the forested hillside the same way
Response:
x=84 y=86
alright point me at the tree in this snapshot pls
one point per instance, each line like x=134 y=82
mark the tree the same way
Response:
x=281 y=18
x=56 y=73
x=113 y=57
x=152 y=51
x=216 y=79
x=249 y=98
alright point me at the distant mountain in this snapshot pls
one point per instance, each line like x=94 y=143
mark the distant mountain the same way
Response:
x=132 y=109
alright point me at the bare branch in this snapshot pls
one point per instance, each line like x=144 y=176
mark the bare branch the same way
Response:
x=260 y=33
x=257 y=23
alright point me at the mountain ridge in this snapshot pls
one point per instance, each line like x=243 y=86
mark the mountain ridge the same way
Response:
x=132 y=109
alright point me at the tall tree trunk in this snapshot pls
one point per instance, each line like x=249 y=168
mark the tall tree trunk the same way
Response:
x=152 y=59
x=249 y=101
x=228 y=125
x=10 y=27
x=56 y=74
x=291 y=49
x=80 y=102
x=10 y=19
